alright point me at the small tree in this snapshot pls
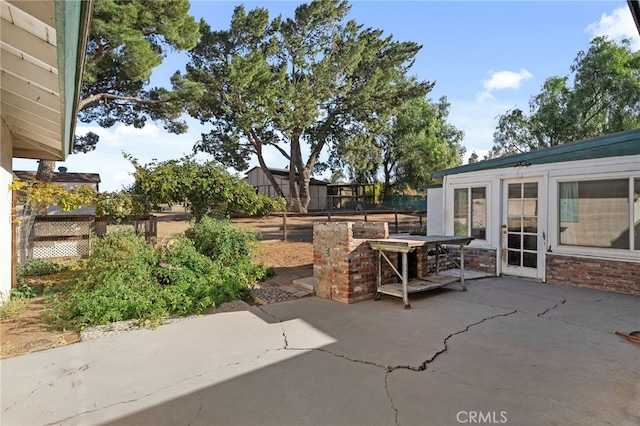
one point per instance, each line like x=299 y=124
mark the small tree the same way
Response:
x=207 y=188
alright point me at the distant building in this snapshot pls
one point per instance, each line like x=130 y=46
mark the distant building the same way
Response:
x=257 y=178
x=68 y=181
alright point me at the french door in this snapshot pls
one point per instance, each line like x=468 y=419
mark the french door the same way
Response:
x=522 y=235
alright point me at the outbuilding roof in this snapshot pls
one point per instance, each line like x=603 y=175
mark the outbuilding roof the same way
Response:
x=613 y=145
x=59 y=177
x=285 y=173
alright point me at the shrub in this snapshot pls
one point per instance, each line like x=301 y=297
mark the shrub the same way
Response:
x=120 y=257
x=23 y=291
x=37 y=268
x=125 y=278
x=221 y=240
x=116 y=284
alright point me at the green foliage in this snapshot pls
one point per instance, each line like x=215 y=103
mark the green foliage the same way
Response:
x=120 y=256
x=24 y=291
x=314 y=79
x=206 y=188
x=127 y=40
x=125 y=278
x=38 y=267
x=221 y=240
x=406 y=147
x=604 y=98
x=122 y=206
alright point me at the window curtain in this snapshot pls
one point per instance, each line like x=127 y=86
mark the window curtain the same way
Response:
x=569 y=202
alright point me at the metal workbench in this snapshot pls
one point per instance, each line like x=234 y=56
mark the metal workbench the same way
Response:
x=409 y=243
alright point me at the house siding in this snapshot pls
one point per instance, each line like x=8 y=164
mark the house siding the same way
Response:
x=6 y=237
x=584 y=266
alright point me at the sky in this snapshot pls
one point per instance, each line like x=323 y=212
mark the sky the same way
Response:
x=486 y=57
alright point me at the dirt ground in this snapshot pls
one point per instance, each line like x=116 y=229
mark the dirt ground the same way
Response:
x=26 y=333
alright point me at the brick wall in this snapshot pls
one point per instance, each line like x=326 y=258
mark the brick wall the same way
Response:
x=477 y=258
x=622 y=277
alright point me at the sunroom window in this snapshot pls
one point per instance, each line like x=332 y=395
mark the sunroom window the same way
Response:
x=596 y=213
x=470 y=212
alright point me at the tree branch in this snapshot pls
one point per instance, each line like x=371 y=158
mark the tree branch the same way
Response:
x=93 y=99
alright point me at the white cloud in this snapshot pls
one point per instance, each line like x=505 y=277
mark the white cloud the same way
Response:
x=618 y=25
x=500 y=80
x=506 y=80
x=484 y=96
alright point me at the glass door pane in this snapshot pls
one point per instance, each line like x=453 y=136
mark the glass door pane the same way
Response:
x=522 y=225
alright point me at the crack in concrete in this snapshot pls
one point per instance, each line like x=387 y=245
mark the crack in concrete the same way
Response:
x=141 y=397
x=390 y=369
x=199 y=409
x=386 y=388
x=552 y=308
x=64 y=373
x=424 y=365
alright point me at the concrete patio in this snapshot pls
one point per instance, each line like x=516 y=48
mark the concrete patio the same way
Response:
x=507 y=351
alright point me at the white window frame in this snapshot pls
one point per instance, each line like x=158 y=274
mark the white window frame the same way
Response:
x=584 y=251
x=450 y=218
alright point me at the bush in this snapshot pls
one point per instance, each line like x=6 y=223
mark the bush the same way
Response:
x=125 y=278
x=37 y=268
x=120 y=257
x=117 y=284
x=221 y=240
x=23 y=291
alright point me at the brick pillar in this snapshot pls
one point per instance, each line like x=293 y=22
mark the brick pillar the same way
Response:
x=331 y=241
x=344 y=267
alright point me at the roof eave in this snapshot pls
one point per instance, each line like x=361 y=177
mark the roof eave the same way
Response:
x=634 y=5
x=73 y=19
x=547 y=155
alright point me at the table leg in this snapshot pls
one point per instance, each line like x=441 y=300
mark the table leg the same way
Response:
x=405 y=280
x=379 y=279
x=464 y=286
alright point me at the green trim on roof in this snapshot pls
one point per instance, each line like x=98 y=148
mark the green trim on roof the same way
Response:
x=634 y=5
x=614 y=145
x=72 y=29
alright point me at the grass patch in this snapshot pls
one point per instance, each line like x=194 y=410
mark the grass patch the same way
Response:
x=13 y=308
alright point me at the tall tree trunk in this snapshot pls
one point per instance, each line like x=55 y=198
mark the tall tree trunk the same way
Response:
x=45 y=170
x=272 y=180
x=299 y=176
x=258 y=146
